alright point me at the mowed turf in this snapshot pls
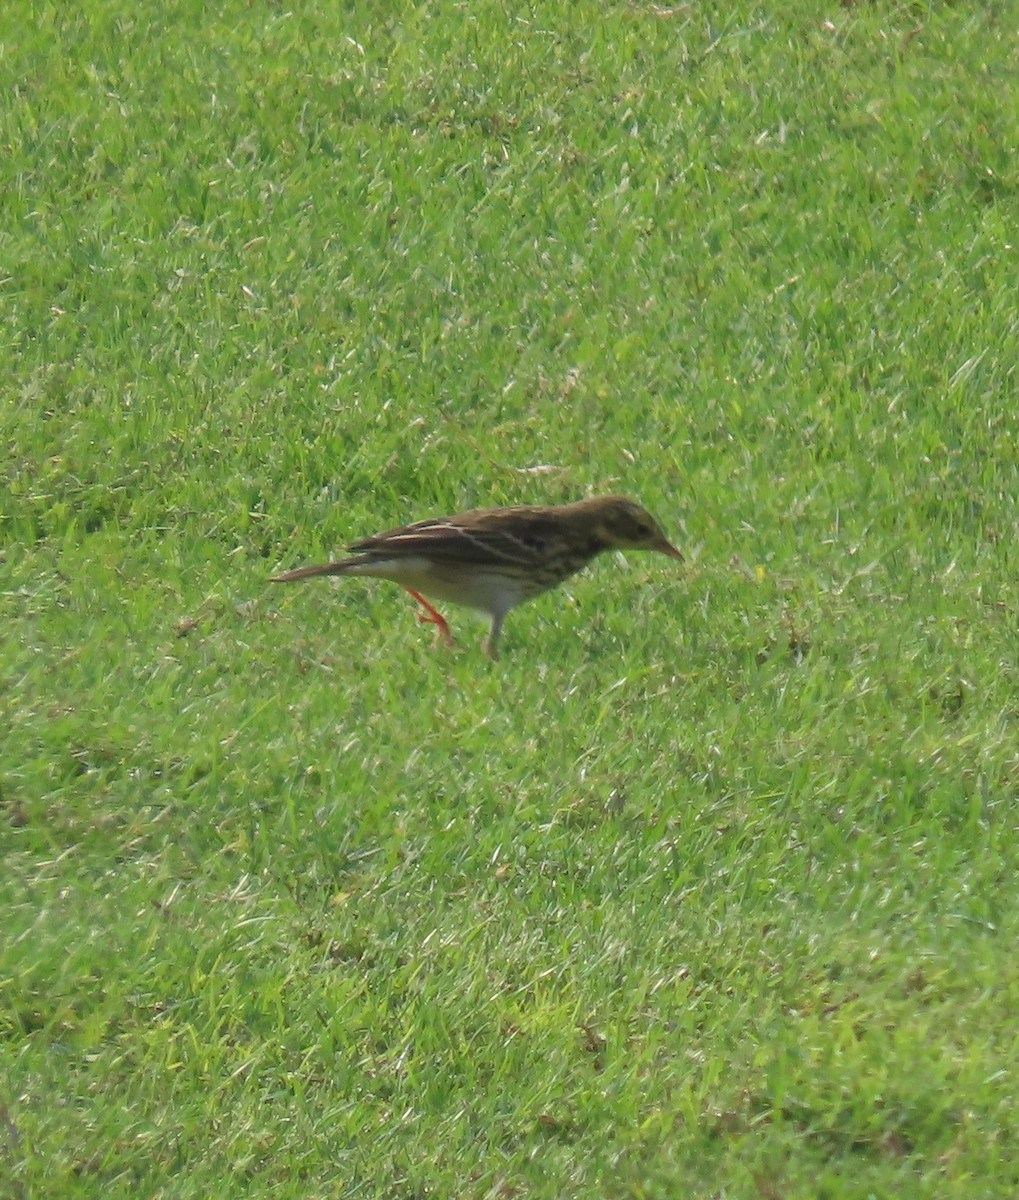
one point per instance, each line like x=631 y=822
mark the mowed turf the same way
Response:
x=707 y=887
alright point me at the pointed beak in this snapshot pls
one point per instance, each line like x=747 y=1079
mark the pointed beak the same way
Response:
x=664 y=547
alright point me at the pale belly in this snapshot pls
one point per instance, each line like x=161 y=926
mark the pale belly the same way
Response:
x=488 y=591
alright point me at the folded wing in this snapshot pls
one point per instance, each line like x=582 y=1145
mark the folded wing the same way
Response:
x=451 y=541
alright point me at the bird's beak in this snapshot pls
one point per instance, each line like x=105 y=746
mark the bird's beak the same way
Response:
x=665 y=547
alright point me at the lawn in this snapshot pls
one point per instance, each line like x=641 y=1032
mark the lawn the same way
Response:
x=705 y=888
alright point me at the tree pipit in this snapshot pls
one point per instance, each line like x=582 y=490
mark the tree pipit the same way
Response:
x=493 y=559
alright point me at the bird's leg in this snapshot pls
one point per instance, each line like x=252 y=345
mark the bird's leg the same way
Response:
x=431 y=617
x=492 y=641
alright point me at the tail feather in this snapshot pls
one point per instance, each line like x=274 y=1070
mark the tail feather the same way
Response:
x=333 y=568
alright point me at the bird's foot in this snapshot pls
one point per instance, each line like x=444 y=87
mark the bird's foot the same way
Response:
x=432 y=617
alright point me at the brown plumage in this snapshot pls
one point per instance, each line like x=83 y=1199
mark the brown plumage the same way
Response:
x=493 y=559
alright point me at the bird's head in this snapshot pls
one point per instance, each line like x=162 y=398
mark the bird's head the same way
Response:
x=624 y=525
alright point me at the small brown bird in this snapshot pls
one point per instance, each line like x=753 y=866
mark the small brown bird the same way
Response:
x=493 y=559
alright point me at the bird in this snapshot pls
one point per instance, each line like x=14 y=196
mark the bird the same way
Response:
x=492 y=559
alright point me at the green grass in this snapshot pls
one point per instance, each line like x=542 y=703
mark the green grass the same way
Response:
x=707 y=887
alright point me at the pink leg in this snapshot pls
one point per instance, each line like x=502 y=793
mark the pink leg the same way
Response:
x=431 y=617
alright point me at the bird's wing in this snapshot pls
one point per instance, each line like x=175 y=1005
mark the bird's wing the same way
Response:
x=483 y=542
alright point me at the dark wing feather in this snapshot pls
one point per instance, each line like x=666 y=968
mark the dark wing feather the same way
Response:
x=480 y=538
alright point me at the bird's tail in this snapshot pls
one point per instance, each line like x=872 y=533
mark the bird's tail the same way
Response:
x=333 y=568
